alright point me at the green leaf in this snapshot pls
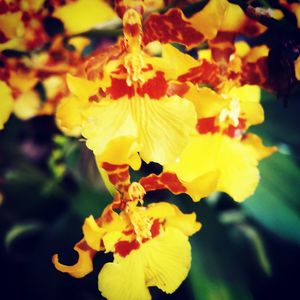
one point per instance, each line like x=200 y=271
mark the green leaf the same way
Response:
x=276 y=204
x=20 y=231
x=217 y=270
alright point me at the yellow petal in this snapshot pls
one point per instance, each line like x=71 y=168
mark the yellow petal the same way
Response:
x=205 y=54
x=146 y=121
x=27 y=105
x=249 y=97
x=202 y=186
x=174 y=217
x=252 y=112
x=83 y=266
x=233 y=19
x=110 y=239
x=246 y=93
x=210 y=18
x=206 y=101
x=124 y=280
x=82 y=88
x=186 y=223
x=255 y=143
x=163 y=262
x=160 y=210
x=6 y=103
x=241 y=48
x=166 y=260
x=68 y=116
x=235 y=163
x=123 y=150
x=164 y=127
x=92 y=233
x=82 y=15
x=105 y=122
x=181 y=62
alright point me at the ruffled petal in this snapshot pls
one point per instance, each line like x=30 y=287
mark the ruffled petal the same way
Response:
x=107 y=121
x=143 y=120
x=171 y=120
x=163 y=262
x=166 y=260
x=235 y=164
x=124 y=279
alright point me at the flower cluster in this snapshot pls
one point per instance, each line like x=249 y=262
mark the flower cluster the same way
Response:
x=143 y=99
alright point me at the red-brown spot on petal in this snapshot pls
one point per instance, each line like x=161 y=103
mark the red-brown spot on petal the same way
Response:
x=123 y=248
x=155 y=87
x=110 y=167
x=207 y=125
x=165 y=180
x=171 y=27
x=235 y=131
x=119 y=88
x=205 y=73
x=118 y=175
x=155 y=228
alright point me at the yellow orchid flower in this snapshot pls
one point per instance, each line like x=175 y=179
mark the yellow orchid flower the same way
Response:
x=124 y=101
x=221 y=156
x=150 y=246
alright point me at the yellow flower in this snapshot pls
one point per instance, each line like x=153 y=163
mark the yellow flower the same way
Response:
x=123 y=102
x=6 y=103
x=150 y=246
x=223 y=164
x=222 y=157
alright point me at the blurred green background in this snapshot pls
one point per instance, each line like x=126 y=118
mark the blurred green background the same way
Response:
x=49 y=184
